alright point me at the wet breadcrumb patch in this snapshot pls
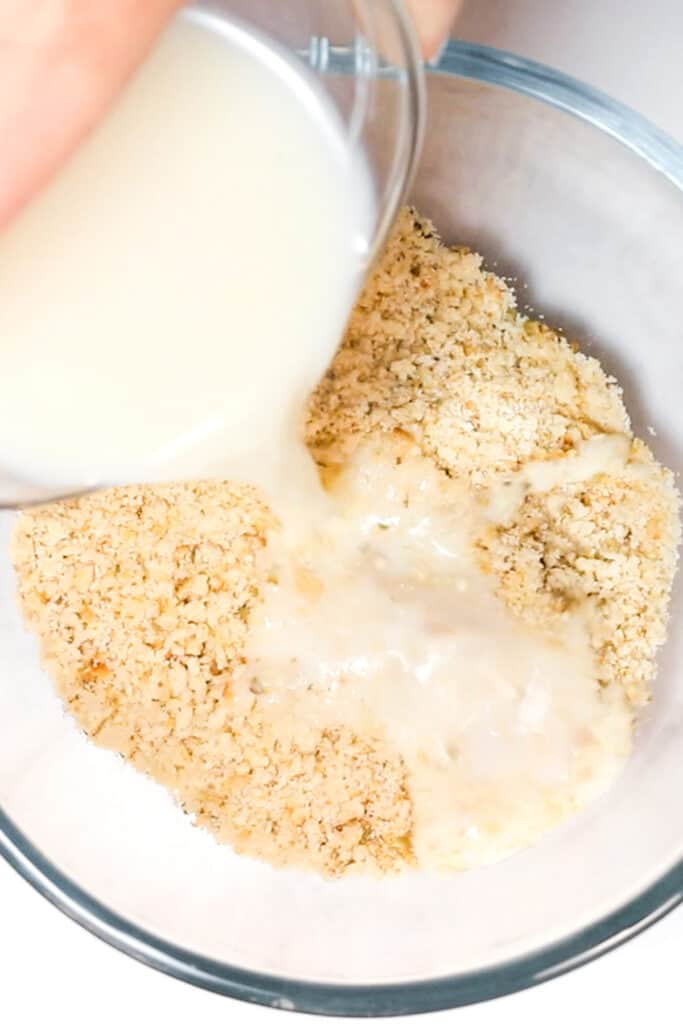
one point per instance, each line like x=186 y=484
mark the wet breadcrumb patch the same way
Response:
x=141 y=596
x=437 y=348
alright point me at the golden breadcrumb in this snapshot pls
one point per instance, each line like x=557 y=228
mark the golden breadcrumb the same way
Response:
x=435 y=346
x=141 y=596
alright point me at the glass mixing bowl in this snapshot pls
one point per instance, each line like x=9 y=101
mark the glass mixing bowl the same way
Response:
x=580 y=201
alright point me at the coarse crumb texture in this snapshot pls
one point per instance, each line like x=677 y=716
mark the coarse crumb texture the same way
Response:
x=436 y=348
x=141 y=596
x=608 y=544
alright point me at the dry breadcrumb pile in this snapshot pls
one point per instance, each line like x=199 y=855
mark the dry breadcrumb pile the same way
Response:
x=435 y=346
x=141 y=596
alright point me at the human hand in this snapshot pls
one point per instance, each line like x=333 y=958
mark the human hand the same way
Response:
x=63 y=61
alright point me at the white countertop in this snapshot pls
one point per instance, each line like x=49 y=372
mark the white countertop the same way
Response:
x=51 y=969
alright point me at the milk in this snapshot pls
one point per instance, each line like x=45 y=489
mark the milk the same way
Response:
x=380 y=619
x=169 y=301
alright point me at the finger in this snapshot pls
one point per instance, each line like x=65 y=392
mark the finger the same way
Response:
x=433 y=20
x=62 y=65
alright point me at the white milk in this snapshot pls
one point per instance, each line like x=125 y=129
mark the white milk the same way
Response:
x=169 y=301
x=381 y=619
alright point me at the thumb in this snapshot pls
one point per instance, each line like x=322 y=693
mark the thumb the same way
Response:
x=433 y=19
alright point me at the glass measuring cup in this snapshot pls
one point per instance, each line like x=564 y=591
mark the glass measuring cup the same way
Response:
x=365 y=57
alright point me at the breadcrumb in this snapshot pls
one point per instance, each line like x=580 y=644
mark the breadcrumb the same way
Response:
x=436 y=347
x=141 y=596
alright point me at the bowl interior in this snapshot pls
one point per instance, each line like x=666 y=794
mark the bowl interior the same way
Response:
x=591 y=235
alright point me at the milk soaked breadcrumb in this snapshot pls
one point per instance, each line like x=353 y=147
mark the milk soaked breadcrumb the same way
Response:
x=141 y=596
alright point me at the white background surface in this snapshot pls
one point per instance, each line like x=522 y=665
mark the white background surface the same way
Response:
x=52 y=970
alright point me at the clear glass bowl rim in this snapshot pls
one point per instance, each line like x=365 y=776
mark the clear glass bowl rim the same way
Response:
x=495 y=67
